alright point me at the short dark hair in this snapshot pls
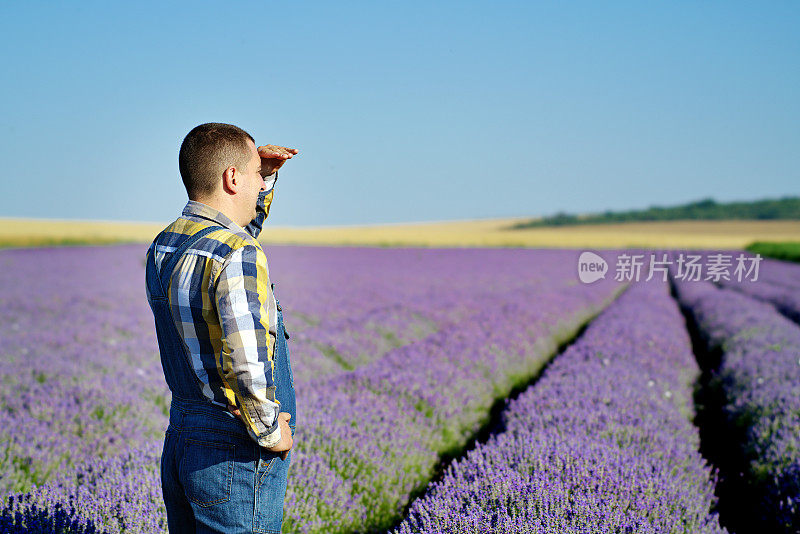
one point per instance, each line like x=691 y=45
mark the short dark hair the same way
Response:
x=207 y=151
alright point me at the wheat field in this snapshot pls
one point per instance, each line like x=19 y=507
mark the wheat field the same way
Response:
x=464 y=233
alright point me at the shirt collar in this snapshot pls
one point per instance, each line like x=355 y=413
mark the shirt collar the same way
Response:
x=198 y=209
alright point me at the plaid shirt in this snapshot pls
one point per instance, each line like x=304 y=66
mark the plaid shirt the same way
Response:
x=224 y=308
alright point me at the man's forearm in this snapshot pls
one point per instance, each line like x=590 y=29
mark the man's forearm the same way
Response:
x=241 y=292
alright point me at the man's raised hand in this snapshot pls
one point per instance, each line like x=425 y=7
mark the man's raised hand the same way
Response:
x=273 y=157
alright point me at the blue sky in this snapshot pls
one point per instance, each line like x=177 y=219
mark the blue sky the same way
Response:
x=402 y=111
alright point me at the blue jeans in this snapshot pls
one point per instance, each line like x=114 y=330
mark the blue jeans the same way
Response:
x=217 y=480
x=214 y=477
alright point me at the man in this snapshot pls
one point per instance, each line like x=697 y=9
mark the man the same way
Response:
x=221 y=339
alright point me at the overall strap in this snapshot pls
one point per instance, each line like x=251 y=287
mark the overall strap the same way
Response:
x=163 y=275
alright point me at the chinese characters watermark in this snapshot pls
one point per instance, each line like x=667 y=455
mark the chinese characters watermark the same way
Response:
x=686 y=267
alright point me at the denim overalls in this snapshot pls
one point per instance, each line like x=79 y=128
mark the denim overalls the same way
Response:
x=214 y=477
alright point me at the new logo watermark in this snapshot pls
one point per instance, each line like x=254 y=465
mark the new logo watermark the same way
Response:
x=688 y=267
x=591 y=267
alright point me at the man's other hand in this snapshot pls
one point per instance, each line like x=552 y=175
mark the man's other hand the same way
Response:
x=273 y=157
x=286 y=443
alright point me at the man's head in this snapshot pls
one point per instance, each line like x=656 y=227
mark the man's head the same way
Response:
x=220 y=166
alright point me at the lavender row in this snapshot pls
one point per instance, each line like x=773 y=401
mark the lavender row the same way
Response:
x=785 y=299
x=774 y=281
x=780 y=272
x=778 y=284
x=603 y=442
x=759 y=378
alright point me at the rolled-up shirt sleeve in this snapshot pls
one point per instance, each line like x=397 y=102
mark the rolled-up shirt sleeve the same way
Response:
x=246 y=360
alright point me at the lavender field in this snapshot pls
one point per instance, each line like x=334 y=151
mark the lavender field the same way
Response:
x=411 y=349
x=602 y=443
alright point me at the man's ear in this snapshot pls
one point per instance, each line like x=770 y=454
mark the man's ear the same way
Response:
x=230 y=180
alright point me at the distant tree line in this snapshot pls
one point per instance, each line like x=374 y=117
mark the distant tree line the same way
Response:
x=705 y=209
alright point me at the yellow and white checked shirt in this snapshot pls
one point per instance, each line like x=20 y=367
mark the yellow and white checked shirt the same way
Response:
x=224 y=308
